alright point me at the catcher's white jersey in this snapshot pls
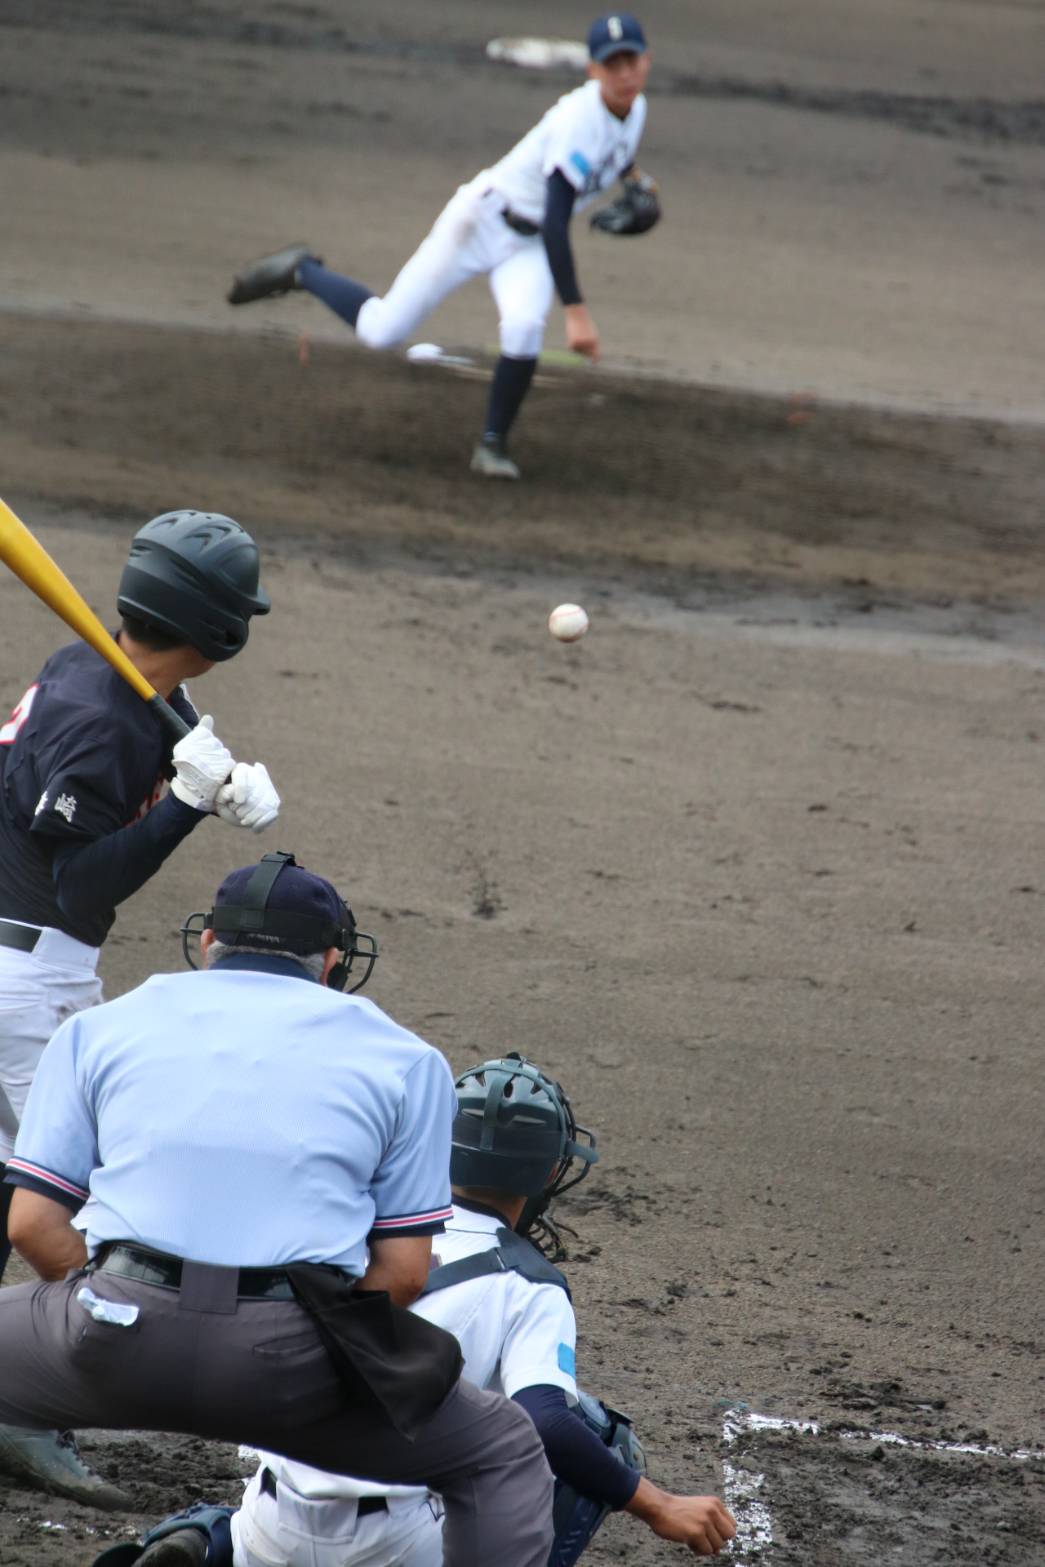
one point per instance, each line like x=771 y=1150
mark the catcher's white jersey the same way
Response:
x=580 y=137
x=513 y=1334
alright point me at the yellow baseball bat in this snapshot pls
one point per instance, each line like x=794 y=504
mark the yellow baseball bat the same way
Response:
x=30 y=562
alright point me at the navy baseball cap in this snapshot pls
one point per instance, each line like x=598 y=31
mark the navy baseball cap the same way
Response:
x=279 y=903
x=617 y=33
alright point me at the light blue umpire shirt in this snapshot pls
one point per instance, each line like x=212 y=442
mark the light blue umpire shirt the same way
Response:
x=243 y=1115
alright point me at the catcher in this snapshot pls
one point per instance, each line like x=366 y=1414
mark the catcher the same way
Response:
x=511 y=224
x=515 y=1146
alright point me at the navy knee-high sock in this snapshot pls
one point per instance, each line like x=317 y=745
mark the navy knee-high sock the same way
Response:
x=5 y=1203
x=511 y=382
x=344 y=295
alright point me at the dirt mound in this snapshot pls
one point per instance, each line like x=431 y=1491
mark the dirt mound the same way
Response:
x=675 y=481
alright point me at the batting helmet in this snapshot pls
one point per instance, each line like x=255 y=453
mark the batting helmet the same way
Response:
x=515 y=1132
x=194 y=576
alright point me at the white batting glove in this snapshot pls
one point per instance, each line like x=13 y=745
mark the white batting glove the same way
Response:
x=249 y=798
x=201 y=765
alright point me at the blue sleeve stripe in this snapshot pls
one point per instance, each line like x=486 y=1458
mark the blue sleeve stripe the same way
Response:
x=580 y=163
x=18 y=1166
x=402 y=1221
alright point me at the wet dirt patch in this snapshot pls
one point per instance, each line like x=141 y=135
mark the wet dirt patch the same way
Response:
x=825 y=1499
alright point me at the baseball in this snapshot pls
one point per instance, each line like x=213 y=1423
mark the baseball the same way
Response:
x=568 y=622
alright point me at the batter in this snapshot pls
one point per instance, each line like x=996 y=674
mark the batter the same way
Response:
x=86 y=820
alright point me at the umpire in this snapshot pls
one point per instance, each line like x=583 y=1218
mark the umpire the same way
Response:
x=259 y=1164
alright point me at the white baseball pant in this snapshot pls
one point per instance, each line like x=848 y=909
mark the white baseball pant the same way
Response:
x=38 y=990
x=468 y=239
x=289 y=1530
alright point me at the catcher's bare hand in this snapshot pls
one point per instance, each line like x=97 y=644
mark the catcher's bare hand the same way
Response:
x=581 y=333
x=700 y=1522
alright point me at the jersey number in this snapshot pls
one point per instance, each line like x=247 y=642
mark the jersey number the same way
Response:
x=9 y=731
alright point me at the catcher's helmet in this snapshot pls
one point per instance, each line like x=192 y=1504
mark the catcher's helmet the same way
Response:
x=515 y=1132
x=194 y=576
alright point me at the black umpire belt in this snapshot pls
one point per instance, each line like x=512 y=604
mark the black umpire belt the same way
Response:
x=520 y=225
x=159 y=1267
x=22 y=937
x=367 y=1504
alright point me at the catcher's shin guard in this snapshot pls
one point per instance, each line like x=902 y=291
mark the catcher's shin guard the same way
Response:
x=576 y=1517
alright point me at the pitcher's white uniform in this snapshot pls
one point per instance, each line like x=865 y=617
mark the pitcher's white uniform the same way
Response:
x=581 y=138
x=513 y=1334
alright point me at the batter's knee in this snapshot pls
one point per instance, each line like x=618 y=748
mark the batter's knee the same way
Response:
x=522 y=336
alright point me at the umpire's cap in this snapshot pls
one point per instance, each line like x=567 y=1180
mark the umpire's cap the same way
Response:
x=281 y=906
x=292 y=908
x=194 y=576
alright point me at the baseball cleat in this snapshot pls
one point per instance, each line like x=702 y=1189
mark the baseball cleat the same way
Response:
x=187 y=1548
x=50 y=1461
x=269 y=277
x=492 y=461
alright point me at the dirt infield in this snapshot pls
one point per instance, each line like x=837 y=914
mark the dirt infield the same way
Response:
x=758 y=882
x=672 y=482
x=756 y=867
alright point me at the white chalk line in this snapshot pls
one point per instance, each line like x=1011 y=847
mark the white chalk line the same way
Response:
x=754 y=1520
x=744 y=1487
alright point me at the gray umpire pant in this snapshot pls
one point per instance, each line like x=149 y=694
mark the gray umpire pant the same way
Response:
x=201 y=1361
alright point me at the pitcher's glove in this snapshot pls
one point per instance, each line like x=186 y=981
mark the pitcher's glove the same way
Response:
x=635 y=210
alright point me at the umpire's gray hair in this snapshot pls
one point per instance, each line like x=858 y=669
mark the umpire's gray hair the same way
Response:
x=312 y=964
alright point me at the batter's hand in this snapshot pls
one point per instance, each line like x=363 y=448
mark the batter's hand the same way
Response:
x=581 y=333
x=700 y=1522
x=249 y=798
x=201 y=766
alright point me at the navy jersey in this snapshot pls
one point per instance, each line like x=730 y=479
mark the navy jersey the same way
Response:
x=80 y=758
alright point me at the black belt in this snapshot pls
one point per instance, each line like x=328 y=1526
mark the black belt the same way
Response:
x=159 y=1267
x=22 y=937
x=520 y=225
x=367 y=1504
